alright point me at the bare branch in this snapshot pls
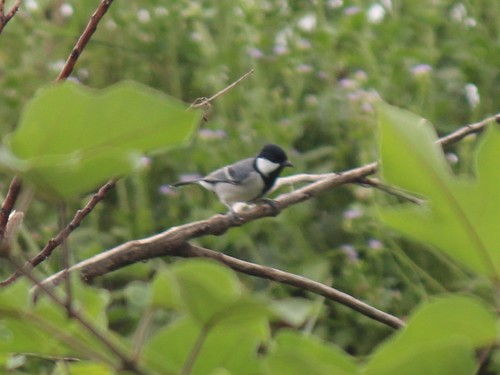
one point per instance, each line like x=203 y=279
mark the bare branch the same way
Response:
x=64 y=233
x=175 y=240
x=203 y=102
x=84 y=39
x=8 y=205
x=294 y=280
x=466 y=130
x=374 y=182
x=5 y=18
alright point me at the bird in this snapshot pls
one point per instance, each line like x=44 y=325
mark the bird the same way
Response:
x=247 y=180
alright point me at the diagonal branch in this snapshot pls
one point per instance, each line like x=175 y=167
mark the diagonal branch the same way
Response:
x=174 y=241
x=5 y=18
x=8 y=205
x=293 y=280
x=84 y=39
x=63 y=234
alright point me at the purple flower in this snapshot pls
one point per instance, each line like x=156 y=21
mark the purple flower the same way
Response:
x=352 y=213
x=420 y=70
x=350 y=252
x=255 y=53
x=375 y=244
x=210 y=134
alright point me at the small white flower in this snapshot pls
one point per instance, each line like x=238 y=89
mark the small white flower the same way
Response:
x=66 y=10
x=32 y=5
x=472 y=95
x=387 y=4
x=458 y=12
x=332 y=4
x=161 y=12
x=111 y=24
x=56 y=65
x=376 y=13
x=143 y=15
x=452 y=158
x=470 y=22
x=307 y=23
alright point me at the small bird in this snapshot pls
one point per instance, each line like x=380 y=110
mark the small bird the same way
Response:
x=246 y=180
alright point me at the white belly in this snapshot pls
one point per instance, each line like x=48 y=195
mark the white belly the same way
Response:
x=230 y=194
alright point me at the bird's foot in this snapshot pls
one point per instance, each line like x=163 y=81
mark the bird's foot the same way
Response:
x=235 y=218
x=271 y=203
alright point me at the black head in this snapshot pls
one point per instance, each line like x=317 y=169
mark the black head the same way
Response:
x=275 y=154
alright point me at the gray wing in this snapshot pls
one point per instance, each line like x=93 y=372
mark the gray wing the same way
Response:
x=233 y=174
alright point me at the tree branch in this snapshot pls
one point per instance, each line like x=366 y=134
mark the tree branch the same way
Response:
x=63 y=234
x=84 y=39
x=174 y=241
x=5 y=18
x=192 y=251
x=8 y=205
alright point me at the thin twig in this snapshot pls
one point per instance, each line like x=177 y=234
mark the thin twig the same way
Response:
x=141 y=333
x=196 y=349
x=373 y=182
x=300 y=282
x=65 y=256
x=64 y=233
x=8 y=205
x=5 y=18
x=202 y=102
x=84 y=39
x=464 y=131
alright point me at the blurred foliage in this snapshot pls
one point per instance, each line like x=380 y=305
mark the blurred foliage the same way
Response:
x=319 y=68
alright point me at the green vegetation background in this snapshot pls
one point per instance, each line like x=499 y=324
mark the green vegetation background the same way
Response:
x=319 y=67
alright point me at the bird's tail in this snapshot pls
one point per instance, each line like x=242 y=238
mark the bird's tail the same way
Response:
x=183 y=183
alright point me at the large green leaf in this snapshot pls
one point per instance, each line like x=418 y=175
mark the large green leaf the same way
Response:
x=297 y=354
x=71 y=138
x=440 y=338
x=461 y=215
x=223 y=346
x=206 y=288
x=221 y=319
x=45 y=328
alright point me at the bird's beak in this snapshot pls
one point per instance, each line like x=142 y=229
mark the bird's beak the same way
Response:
x=287 y=163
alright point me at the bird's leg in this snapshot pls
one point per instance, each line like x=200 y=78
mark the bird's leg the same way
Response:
x=235 y=218
x=271 y=203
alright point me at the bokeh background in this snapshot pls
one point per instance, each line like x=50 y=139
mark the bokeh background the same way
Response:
x=320 y=66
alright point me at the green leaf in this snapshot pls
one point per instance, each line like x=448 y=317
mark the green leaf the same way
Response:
x=439 y=338
x=72 y=138
x=461 y=215
x=294 y=311
x=224 y=347
x=165 y=291
x=45 y=328
x=82 y=368
x=296 y=354
x=206 y=288
x=224 y=322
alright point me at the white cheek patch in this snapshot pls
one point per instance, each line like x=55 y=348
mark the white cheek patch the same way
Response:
x=266 y=166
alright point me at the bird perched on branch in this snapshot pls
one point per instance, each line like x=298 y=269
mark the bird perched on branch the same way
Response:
x=246 y=180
